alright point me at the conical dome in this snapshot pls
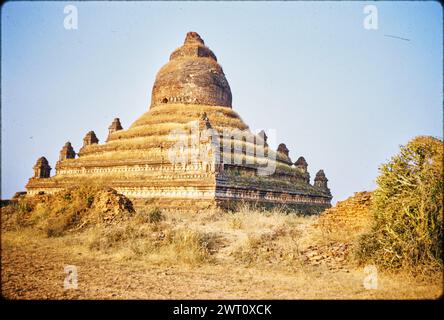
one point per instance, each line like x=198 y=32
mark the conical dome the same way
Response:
x=192 y=76
x=190 y=84
x=189 y=150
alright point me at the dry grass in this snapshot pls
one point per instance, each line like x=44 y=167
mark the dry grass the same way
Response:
x=250 y=253
x=156 y=243
x=255 y=236
x=84 y=215
x=68 y=210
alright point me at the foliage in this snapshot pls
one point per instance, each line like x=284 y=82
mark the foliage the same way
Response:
x=68 y=209
x=154 y=215
x=408 y=209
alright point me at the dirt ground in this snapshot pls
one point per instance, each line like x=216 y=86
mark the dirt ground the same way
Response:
x=32 y=267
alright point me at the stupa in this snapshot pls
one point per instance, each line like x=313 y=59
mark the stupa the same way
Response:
x=189 y=151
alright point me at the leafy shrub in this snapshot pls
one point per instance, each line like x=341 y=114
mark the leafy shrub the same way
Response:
x=408 y=209
x=153 y=216
x=89 y=201
x=67 y=196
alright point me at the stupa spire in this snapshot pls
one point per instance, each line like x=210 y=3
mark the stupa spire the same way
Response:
x=192 y=76
x=192 y=38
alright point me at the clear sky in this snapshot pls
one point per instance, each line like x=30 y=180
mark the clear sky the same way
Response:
x=343 y=96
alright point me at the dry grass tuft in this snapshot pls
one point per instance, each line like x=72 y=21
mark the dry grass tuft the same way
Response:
x=256 y=236
x=155 y=242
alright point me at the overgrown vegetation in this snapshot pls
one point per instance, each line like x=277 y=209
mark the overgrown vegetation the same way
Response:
x=250 y=242
x=155 y=215
x=270 y=237
x=67 y=210
x=156 y=242
x=107 y=223
x=408 y=210
x=278 y=247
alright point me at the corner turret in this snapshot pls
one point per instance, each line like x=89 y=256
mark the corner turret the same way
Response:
x=42 y=169
x=321 y=180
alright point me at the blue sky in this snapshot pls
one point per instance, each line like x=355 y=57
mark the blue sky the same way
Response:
x=342 y=96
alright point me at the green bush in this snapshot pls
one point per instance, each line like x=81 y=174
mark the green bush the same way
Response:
x=89 y=201
x=408 y=209
x=67 y=196
x=155 y=215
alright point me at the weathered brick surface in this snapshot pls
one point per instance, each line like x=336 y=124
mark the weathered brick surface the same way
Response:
x=351 y=216
x=192 y=76
x=190 y=94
